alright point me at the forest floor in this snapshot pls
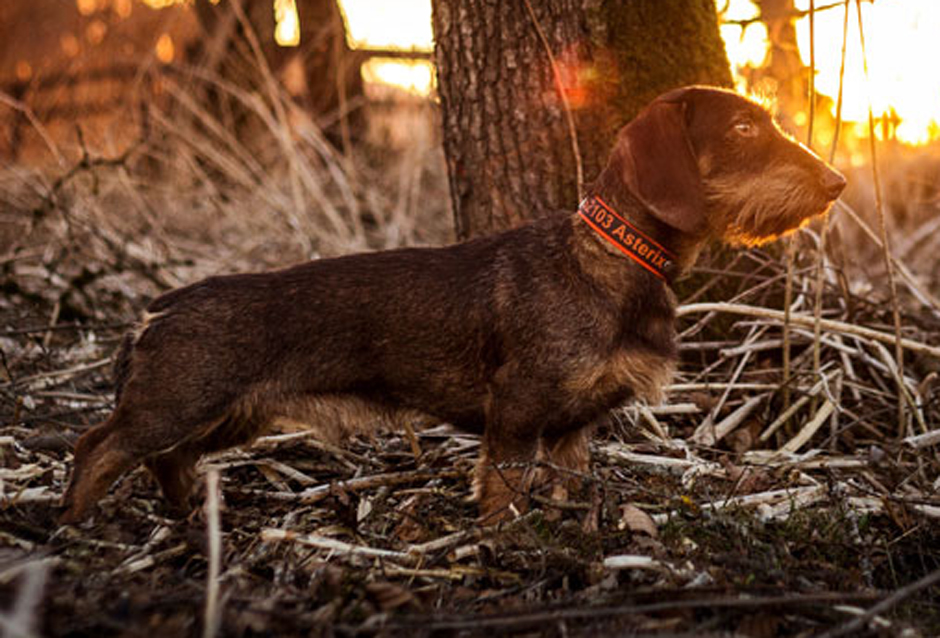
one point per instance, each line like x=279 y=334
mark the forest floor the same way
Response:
x=710 y=515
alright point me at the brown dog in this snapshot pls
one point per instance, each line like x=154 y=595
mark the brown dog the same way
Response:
x=527 y=336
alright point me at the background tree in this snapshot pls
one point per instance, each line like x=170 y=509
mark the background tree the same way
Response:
x=321 y=72
x=782 y=73
x=506 y=107
x=783 y=63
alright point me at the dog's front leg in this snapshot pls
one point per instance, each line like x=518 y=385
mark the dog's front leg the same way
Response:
x=506 y=469
x=569 y=458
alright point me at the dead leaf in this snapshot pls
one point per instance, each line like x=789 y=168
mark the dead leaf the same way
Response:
x=410 y=529
x=636 y=520
x=389 y=596
x=740 y=441
x=759 y=626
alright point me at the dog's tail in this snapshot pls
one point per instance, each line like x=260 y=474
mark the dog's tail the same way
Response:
x=122 y=364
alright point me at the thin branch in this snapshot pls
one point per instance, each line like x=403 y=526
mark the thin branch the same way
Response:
x=808 y=322
x=791 y=249
x=518 y=620
x=320 y=492
x=787 y=302
x=922 y=294
x=854 y=625
x=67 y=327
x=85 y=164
x=812 y=73
x=824 y=233
x=746 y=22
x=334 y=546
x=27 y=112
x=213 y=616
x=886 y=252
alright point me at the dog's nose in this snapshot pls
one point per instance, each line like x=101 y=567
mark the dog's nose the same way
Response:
x=833 y=182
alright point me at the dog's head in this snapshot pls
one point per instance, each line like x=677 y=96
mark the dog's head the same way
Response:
x=709 y=162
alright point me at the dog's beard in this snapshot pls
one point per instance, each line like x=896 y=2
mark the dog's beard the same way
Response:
x=762 y=210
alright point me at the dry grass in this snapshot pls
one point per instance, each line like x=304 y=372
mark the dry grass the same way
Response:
x=196 y=196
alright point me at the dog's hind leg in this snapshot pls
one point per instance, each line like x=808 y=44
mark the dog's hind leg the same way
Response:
x=175 y=470
x=102 y=455
x=134 y=434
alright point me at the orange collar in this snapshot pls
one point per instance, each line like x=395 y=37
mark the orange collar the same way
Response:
x=626 y=237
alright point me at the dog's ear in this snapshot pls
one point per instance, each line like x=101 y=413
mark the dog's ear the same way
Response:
x=659 y=166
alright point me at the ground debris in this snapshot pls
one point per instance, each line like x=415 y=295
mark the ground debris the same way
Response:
x=742 y=505
x=687 y=539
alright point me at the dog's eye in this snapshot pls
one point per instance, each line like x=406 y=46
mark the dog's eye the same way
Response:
x=745 y=128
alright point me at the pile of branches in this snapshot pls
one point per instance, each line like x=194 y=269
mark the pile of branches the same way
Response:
x=788 y=486
x=746 y=503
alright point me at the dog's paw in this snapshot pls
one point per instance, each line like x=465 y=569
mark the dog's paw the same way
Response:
x=502 y=493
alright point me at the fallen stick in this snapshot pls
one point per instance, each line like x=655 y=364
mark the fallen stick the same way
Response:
x=710 y=433
x=213 y=613
x=335 y=546
x=794 y=408
x=22 y=619
x=320 y=492
x=673 y=408
x=808 y=430
x=693 y=387
x=808 y=322
x=771 y=497
x=923 y=440
x=42 y=494
x=56 y=374
x=473 y=534
x=854 y=625
x=784 y=509
x=633 y=561
x=658 y=429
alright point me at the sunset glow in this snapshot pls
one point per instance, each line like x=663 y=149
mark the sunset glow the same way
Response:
x=380 y=24
x=287 y=31
x=416 y=77
x=902 y=39
x=902 y=44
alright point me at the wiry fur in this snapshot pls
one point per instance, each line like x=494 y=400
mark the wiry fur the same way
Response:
x=528 y=336
x=766 y=206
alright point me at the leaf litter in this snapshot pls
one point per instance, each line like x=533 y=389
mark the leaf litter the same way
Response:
x=741 y=505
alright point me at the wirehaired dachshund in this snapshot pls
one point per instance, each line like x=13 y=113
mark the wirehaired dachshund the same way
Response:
x=527 y=336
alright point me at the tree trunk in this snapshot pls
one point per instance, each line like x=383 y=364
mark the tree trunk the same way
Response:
x=782 y=74
x=506 y=136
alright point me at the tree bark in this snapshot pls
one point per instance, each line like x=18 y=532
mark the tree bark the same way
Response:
x=510 y=154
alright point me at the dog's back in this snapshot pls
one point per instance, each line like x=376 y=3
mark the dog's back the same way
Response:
x=351 y=338
x=411 y=327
